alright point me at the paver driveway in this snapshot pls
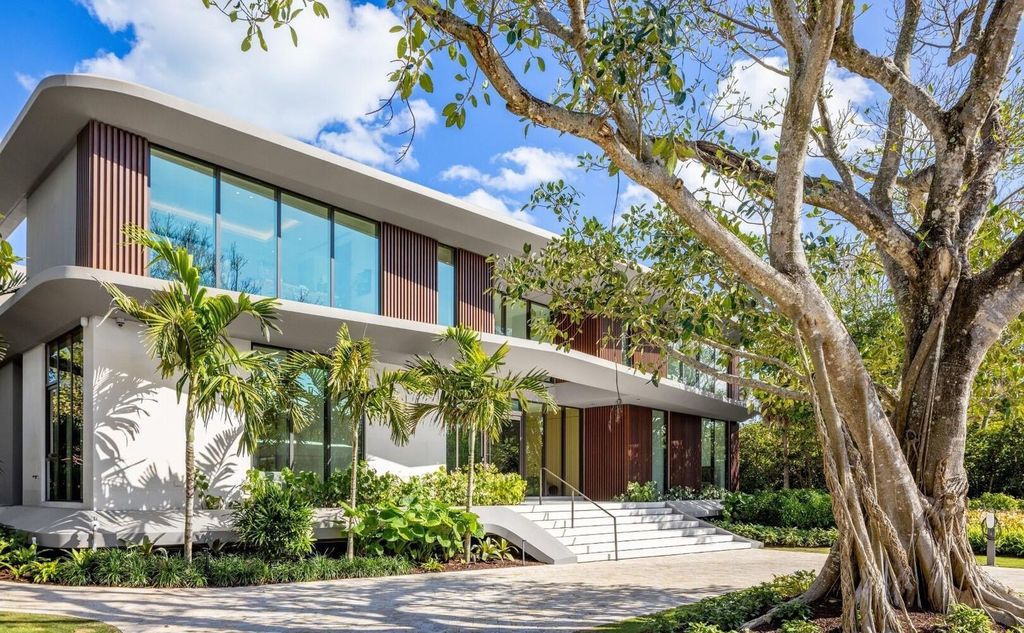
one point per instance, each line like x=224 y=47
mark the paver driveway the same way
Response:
x=535 y=598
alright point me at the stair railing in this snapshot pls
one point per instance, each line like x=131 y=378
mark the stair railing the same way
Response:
x=572 y=504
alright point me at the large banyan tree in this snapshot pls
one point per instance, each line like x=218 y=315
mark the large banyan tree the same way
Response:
x=926 y=172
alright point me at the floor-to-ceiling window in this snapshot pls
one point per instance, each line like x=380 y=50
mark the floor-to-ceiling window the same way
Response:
x=64 y=418
x=321 y=446
x=714 y=453
x=519 y=318
x=248 y=236
x=659 y=449
x=305 y=251
x=445 y=285
x=259 y=239
x=356 y=263
x=183 y=206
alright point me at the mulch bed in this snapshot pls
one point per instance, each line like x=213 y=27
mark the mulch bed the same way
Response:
x=828 y=616
x=461 y=566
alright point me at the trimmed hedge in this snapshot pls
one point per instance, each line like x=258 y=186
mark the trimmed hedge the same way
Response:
x=1009 y=533
x=796 y=508
x=132 y=568
x=783 y=537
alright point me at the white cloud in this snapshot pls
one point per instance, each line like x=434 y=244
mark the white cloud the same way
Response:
x=369 y=140
x=751 y=91
x=499 y=206
x=531 y=166
x=636 y=195
x=28 y=82
x=336 y=75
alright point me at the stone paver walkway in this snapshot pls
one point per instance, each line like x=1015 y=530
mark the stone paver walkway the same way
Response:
x=534 y=598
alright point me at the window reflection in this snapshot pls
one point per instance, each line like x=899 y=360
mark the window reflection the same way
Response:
x=356 y=264
x=183 y=203
x=445 y=285
x=248 y=236
x=305 y=251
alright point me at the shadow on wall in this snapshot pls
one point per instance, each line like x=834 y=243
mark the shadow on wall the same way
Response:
x=126 y=407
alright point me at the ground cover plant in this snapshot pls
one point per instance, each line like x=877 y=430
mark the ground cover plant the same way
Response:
x=46 y=623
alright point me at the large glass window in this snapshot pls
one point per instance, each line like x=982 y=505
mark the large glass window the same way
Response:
x=322 y=446
x=356 y=264
x=64 y=418
x=659 y=447
x=248 y=236
x=519 y=318
x=305 y=251
x=183 y=204
x=714 y=453
x=445 y=285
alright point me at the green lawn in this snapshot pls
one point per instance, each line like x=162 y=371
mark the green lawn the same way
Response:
x=1001 y=561
x=40 y=623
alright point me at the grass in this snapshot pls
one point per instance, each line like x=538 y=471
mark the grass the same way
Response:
x=1001 y=561
x=41 y=623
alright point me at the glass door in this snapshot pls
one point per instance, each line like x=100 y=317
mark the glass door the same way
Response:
x=64 y=418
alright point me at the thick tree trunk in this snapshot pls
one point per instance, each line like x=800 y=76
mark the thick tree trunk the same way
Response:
x=902 y=521
x=190 y=473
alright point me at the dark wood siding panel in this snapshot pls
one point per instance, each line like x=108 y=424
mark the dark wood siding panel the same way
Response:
x=113 y=190
x=684 y=450
x=589 y=337
x=473 y=280
x=640 y=449
x=408 y=274
x=733 y=432
x=605 y=436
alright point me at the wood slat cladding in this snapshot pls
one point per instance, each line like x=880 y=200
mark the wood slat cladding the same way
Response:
x=588 y=337
x=473 y=280
x=605 y=437
x=639 y=453
x=684 y=450
x=733 y=446
x=408 y=274
x=113 y=190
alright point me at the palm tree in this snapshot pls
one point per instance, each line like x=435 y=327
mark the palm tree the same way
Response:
x=471 y=395
x=10 y=279
x=358 y=392
x=185 y=329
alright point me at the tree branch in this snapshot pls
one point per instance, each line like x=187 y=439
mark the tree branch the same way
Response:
x=739 y=381
x=992 y=59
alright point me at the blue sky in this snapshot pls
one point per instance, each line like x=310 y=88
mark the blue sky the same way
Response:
x=319 y=92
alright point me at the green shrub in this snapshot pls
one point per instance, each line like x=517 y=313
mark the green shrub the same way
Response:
x=490 y=486
x=782 y=537
x=489 y=549
x=639 y=492
x=805 y=509
x=730 y=611
x=995 y=501
x=800 y=626
x=273 y=520
x=964 y=619
x=1009 y=533
x=233 y=570
x=374 y=488
x=173 y=571
x=117 y=567
x=417 y=528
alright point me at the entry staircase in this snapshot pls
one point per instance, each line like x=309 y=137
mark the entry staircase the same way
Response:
x=643 y=529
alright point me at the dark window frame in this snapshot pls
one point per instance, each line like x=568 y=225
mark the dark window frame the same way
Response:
x=70 y=493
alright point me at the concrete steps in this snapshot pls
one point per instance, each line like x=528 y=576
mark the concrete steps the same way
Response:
x=644 y=529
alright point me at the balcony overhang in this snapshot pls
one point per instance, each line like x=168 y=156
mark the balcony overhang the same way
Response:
x=56 y=299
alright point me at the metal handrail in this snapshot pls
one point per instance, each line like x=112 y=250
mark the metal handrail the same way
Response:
x=572 y=504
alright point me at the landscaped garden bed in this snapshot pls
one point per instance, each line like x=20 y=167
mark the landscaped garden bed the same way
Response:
x=393 y=534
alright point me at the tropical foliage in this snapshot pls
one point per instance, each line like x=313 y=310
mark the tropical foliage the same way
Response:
x=272 y=520
x=357 y=391
x=11 y=278
x=416 y=528
x=184 y=327
x=473 y=396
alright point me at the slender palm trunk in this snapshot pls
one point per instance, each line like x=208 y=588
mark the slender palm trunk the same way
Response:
x=469 y=486
x=353 y=488
x=190 y=471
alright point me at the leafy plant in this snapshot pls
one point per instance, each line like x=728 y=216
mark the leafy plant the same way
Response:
x=488 y=549
x=273 y=521
x=417 y=528
x=805 y=509
x=800 y=626
x=471 y=395
x=184 y=328
x=781 y=536
x=996 y=501
x=490 y=488
x=639 y=492
x=963 y=619
x=432 y=565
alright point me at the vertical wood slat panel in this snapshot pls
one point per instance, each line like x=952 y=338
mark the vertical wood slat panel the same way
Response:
x=473 y=280
x=588 y=337
x=684 y=450
x=605 y=437
x=113 y=190
x=640 y=451
x=408 y=274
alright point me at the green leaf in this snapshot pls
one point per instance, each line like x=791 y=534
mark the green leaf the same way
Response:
x=426 y=83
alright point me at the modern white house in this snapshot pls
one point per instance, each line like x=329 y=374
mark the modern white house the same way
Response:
x=87 y=424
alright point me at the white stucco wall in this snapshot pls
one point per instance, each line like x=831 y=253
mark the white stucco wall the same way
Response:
x=139 y=431
x=425 y=452
x=51 y=210
x=33 y=430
